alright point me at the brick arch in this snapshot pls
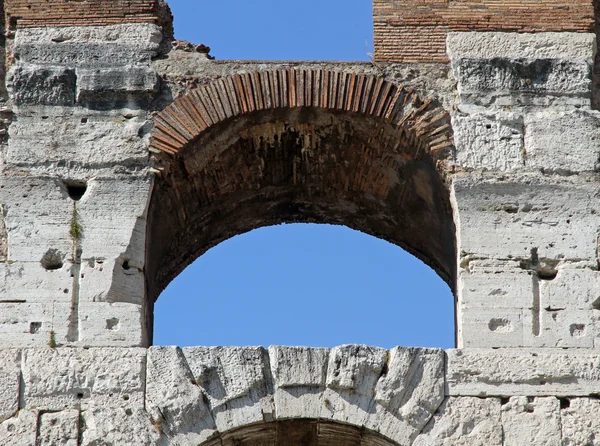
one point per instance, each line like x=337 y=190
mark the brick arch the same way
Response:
x=191 y=115
x=284 y=146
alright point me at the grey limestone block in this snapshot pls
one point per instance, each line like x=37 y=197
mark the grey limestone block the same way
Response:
x=522 y=372
x=503 y=70
x=42 y=85
x=65 y=378
x=531 y=421
x=464 y=422
x=174 y=400
x=120 y=426
x=101 y=84
x=394 y=393
x=20 y=430
x=493 y=142
x=565 y=142
x=10 y=377
x=237 y=382
x=299 y=375
x=89 y=46
x=580 y=422
x=59 y=428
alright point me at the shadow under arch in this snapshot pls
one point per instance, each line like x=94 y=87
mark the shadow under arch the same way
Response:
x=269 y=147
x=305 y=431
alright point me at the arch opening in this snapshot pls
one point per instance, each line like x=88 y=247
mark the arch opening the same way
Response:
x=370 y=157
x=310 y=285
x=302 y=432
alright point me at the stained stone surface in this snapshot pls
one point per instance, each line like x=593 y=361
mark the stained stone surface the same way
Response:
x=464 y=421
x=485 y=168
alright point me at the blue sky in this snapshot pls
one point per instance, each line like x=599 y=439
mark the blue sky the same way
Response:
x=315 y=285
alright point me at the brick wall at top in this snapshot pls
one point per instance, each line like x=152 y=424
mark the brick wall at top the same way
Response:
x=415 y=30
x=38 y=13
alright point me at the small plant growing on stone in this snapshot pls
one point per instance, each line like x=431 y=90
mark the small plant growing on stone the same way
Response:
x=75 y=229
x=52 y=341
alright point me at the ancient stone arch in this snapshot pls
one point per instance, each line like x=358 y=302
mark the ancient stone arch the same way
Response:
x=125 y=154
x=308 y=145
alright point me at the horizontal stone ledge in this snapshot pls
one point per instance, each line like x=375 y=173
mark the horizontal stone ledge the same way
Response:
x=522 y=372
x=549 y=45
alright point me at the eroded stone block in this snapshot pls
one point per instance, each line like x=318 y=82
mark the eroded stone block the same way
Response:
x=237 y=381
x=464 y=422
x=531 y=421
x=42 y=85
x=20 y=430
x=299 y=375
x=63 y=378
x=533 y=372
x=565 y=143
x=124 y=83
x=59 y=428
x=174 y=400
x=489 y=141
x=10 y=376
x=119 y=426
x=579 y=421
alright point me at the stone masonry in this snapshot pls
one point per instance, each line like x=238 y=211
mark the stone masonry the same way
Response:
x=472 y=141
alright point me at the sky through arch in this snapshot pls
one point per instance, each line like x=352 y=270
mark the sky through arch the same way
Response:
x=316 y=285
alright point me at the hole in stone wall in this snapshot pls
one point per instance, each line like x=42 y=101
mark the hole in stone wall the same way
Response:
x=565 y=403
x=76 y=189
x=306 y=284
x=35 y=327
x=112 y=324
x=52 y=260
x=126 y=265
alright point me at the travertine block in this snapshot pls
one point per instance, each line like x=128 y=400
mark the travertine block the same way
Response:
x=123 y=83
x=503 y=70
x=78 y=46
x=464 y=422
x=91 y=138
x=579 y=421
x=529 y=372
x=42 y=85
x=503 y=289
x=544 y=45
x=59 y=428
x=299 y=375
x=572 y=289
x=10 y=377
x=492 y=142
x=531 y=421
x=120 y=426
x=559 y=328
x=31 y=324
x=20 y=430
x=237 y=381
x=563 y=142
x=174 y=399
x=37 y=215
x=32 y=283
x=512 y=218
x=62 y=378
x=408 y=394
x=495 y=327
x=114 y=324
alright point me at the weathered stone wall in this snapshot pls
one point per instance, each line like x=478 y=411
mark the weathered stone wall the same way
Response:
x=121 y=162
x=348 y=395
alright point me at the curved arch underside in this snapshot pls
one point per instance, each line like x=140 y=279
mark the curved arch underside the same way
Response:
x=373 y=162
x=301 y=432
